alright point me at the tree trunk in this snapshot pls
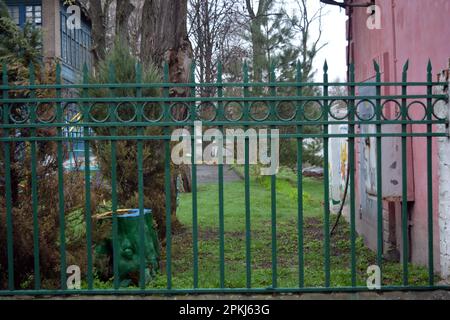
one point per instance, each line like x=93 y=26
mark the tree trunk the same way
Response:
x=123 y=11
x=165 y=39
x=256 y=23
x=98 y=30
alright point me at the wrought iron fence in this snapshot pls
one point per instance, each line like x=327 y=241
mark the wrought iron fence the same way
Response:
x=271 y=105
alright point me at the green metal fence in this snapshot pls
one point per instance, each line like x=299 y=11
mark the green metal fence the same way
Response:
x=20 y=114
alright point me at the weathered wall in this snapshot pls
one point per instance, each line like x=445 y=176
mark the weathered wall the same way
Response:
x=444 y=191
x=416 y=30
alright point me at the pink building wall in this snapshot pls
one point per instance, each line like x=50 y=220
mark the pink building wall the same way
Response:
x=417 y=30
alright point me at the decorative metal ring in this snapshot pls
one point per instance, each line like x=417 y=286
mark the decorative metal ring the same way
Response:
x=266 y=115
x=335 y=116
x=72 y=116
x=117 y=111
x=161 y=115
x=26 y=116
x=278 y=110
x=183 y=105
x=92 y=117
x=408 y=109
x=50 y=119
x=204 y=105
x=372 y=106
x=396 y=103
x=311 y=103
x=444 y=111
x=230 y=104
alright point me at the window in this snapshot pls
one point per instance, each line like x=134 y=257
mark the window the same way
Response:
x=14 y=12
x=33 y=15
x=75 y=45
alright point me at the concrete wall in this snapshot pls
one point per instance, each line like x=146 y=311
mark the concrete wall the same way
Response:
x=416 y=30
x=444 y=189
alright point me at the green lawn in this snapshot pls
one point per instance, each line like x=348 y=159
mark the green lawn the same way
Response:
x=261 y=244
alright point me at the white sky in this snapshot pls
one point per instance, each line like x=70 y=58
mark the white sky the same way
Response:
x=333 y=33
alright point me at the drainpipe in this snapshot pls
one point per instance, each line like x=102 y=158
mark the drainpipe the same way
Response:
x=394 y=43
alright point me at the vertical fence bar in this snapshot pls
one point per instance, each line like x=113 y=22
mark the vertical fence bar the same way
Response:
x=194 y=182
x=301 y=263
x=8 y=192
x=34 y=186
x=115 y=226
x=326 y=230
x=273 y=186
x=140 y=159
x=351 y=171
x=378 y=112
x=87 y=185
x=220 y=114
x=167 y=182
x=60 y=159
x=430 y=174
x=247 y=184
x=405 y=222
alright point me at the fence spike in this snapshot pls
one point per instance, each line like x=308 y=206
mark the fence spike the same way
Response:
x=219 y=71
x=32 y=73
x=138 y=68
x=376 y=66
x=85 y=73
x=325 y=67
x=272 y=71
x=166 y=71
x=429 y=67
x=111 y=72
x=245 y=71
x=5 y=74
x=351 y=68
x=299 y=71
x=192 y=75
x=58 y=73
x=406 y=66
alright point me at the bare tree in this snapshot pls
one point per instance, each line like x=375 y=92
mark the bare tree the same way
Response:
x=257 y=16
x=211 y=25
x=302 y=24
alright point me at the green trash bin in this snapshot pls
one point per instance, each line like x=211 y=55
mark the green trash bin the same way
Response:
x=128 y=222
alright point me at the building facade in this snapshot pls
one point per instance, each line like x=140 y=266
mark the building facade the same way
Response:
x=62 y=42
x=400 y=30
x=71 y=46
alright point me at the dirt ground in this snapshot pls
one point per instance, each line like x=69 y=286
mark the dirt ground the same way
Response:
x=411 y=295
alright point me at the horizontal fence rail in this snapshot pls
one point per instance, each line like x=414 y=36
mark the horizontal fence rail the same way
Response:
x=38 y=118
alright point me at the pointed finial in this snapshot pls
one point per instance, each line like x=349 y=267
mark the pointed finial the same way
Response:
x=351 y=67
x=376 y=66
x=406 y=66
x=58 y=72
x=325 y=66
x=219 y=71
x=138 y=68
x=299 y=71
x=166 y=71
x=31 y=71
x=429 y=66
